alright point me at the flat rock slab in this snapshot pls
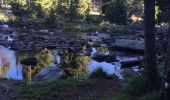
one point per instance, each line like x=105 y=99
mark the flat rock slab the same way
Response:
x=129 y=45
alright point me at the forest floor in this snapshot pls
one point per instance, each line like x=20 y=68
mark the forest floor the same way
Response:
x=69 y=89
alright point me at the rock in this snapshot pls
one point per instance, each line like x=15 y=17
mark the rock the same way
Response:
x=94 y=38
x=50 y=46
x=100 y=57
x=51 y=72
x=110 y=57
x=4 y=26
x=4 y=43
x=71 y=49
x=43 y=31
x=129 y=45
x=130 y=63
x=1 y=36
x=136 y=26
x=140 y=33
x=14 y=48
x=29 y=61
x=162 y=29
x=109 y=41
x=88 y=51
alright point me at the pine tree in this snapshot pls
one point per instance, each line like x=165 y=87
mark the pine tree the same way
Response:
x=44 y=7
x=115 y=10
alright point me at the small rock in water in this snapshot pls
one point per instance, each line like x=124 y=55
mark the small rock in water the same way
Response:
x=110 y=57
x=29 y=61
x=43 y=31
x=130 y=63
x=100 y=57
x=4 y=26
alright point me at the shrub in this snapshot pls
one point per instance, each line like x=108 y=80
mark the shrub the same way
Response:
x=151 y=96
x=140 y=86
x=83 y=8
x=94 y=19
x=51 y=20
x=44 y=7
x=136 y=87
x=115 y=11
x=19 y=8
x=99 y=73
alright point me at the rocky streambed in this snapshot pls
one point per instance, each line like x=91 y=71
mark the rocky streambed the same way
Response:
x=61 y=54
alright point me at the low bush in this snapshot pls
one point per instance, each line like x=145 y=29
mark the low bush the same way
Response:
x=151 y=96
x=100 y=73
x=136 y=86
x=97 y=19
x=140 y=88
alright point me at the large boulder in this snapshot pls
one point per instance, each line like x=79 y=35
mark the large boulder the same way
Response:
x=129 y=45
x=131 y=63
x=51 y=72
x=127 y=62
x=100 y=57
x=111 y=57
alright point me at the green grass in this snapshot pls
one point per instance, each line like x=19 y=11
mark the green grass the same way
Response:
x=39 y=90
x=119 y=29
x=81 y=88
x=78 y=27
x=88 y=27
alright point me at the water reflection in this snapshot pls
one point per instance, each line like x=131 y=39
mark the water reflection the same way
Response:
x=8 y=66
x=74 y=64
x=27 y=74
x=107 y=67
x=45 y=58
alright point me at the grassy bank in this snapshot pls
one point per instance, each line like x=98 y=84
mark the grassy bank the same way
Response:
x=98 y=87
x=71 y=89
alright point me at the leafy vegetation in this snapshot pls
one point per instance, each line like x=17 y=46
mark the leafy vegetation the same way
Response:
x=115 y=11
x=112 y=16
x=99 y=73
x=138 y=89
x=151 y=96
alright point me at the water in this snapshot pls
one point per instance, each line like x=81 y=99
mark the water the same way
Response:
x=11 y=67
x=73 y=64
x=8 y=64
x=107 y=67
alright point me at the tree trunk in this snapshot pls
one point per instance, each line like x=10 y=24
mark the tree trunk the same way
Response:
x=150 y=69
x=165 y=89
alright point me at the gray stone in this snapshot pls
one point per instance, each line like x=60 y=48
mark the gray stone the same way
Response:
x=162 y=29
x=100 y=57
x=129 y=45
x=29 y=61
x=51 y=72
